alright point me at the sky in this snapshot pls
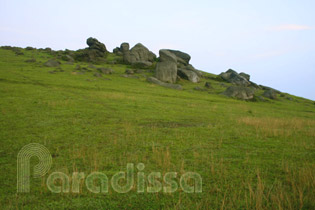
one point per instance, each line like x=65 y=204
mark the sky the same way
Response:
x=272 y=40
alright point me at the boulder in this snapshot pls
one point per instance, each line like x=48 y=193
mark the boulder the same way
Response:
x=239 y=92
x=105 y=70
x=166 y=69
x=138 y=53
x=189 y=75
x=232 y=76
x=163 y=84
x=94 y=53
x=246 y=76
x=181 y=56
x=124 y=47
x=52 y=63
x=94 y=44
x=129 y=71
x=272 y=94
x=142 y=64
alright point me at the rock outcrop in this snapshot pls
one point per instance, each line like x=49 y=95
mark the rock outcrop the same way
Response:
x=239 y=92
x=188 y=74
x=233 y=77
x=52 y=63
x=139 y=55
x=95 y=52
x=166 y=68
x=272 y=94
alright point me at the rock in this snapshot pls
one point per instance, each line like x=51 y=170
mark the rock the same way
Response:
x=208 y=85
x=239 y=92
x=138 y=53
x=96 y=45
x=246 y=76
x=181 y=56
x=52 y=63
x=105 y=70
x=124 y=47
x=32 y=60
x=166 y=69
x=269 y=88
x=270 y=94
x=163 y=84
x=96 y=52
x=129 y=71
x=232 y=76
x=189 y=75
x=67 y=58
x=142 y=64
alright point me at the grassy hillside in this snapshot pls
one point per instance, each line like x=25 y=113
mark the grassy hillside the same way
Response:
x=250 y=155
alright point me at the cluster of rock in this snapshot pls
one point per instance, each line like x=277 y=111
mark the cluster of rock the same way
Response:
x=244 y=88
x=174 y=64
x=94 y=53
x=138 y=56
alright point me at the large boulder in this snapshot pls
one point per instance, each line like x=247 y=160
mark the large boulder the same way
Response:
x=94 y=44
x=163 y=84
x=232 y=76
x=94 y=53
x=182 y=57
x=189 y=75
x=239 y=92
x=139 y=53
x=272 y=94
x=166 y=69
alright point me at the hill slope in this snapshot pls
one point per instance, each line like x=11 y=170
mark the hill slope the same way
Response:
x=249 y=154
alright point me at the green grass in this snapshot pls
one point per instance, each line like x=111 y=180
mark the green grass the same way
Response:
x=251 y=155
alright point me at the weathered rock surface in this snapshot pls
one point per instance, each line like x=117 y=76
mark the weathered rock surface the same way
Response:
x=139 y=54
x=189 y=75
x=232 y=76
x=239 y=92
x=163 y=84
x=272 y=94
x=182 y=57
x=166 y=69
x=94 y=53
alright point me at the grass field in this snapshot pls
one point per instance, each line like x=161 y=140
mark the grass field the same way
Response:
x=250 y=155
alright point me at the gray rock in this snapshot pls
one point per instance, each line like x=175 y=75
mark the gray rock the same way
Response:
x=105 y=70
x=142 y=64
x=52 y=63
x=270 y=94
x=166 y=69
x=181 y=56
x=246 y=76
x=124 y=47
x=239 y=92
x=95 y=44
x=189 y=75
x=163 y=84
x=269 y=88
x=232 y=76
x=199 y=88
x=138 y=54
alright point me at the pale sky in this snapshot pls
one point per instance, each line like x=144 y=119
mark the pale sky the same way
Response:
x=272 y=40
